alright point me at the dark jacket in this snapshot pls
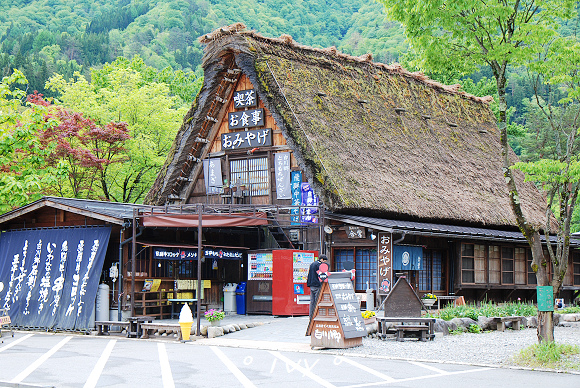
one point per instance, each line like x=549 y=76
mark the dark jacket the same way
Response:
x=313 y=280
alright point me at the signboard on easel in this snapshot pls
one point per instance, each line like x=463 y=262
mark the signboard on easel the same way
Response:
x=337 y=320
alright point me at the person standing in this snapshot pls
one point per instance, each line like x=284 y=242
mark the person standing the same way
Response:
x=313 y=282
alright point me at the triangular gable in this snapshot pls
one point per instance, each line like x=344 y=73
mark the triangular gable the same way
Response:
x=403 y=301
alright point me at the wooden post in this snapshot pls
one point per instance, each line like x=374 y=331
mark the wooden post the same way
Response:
x=199 y=252
x=133 y=266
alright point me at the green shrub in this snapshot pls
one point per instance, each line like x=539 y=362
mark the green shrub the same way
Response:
x=569 y=310
x=473 y=328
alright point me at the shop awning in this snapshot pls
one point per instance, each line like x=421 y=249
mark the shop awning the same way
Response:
x=208 y=220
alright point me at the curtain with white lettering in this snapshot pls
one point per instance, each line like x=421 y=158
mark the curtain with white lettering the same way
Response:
x=50 y=276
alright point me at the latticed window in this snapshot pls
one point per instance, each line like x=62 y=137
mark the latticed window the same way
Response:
x=472 y=263
x=365 y=264
x=252 y=173
x=432 y=276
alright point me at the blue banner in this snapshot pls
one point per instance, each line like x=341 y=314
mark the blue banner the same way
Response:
x=296 y=181
x=407 y=258
x=50 y=276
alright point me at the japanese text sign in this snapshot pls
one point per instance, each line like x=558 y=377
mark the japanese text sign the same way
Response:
x=247 y=139
x=385 y=265
x=245 y=98
x=246 y=119
x=282 y=170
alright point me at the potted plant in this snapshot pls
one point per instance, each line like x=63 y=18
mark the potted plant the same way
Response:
x=369 y=317
x=214 y=316
x=429 y=299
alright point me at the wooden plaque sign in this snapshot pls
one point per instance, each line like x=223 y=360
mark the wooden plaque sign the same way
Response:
x=337 y=320
x=385 y=263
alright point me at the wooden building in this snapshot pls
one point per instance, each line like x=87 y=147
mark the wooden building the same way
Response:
x=401 y=165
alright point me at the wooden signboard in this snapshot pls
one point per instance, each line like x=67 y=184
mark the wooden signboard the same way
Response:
x=403 y=301
x=337 y=320
x=385 y=263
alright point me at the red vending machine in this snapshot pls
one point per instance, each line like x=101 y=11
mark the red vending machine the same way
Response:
x=290 y=295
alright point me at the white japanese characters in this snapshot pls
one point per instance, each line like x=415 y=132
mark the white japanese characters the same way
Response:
x=245 y=98
x=246 y=119
x=247 y=139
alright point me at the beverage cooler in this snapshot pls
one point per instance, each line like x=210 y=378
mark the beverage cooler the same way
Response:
x=290 y=295
x=259 y=286
x=277 y=282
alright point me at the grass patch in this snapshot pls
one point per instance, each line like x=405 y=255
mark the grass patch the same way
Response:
x=549 y=355
x=487 y=309
x=568 y=310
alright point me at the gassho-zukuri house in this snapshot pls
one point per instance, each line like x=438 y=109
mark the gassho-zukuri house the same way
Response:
x=289 y=147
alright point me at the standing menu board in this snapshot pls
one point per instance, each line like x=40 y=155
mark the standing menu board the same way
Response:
x=346 y=303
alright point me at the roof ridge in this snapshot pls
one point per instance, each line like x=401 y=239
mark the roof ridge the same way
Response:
x=332 y=52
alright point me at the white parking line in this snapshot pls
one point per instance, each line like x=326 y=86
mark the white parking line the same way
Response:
x=417 y=378
x=431 y=368
x=15 y=342
x=98 y=369
x=304 y=371
x=166 y=375
x=32 y=367
x=234 y=369
x=366 y=369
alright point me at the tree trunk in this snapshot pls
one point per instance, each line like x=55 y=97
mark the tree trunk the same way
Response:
x=545 y=326
x=532 y=235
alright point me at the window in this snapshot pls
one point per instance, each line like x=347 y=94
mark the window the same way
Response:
x=520 y=265
x=253 y=173
x=494 y=264
x=531 y=274
x=507 y=265
x=472 y=263
x=432 y=276
x=365 y=264
x=576 y=268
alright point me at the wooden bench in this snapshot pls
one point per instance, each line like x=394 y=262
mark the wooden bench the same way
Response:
x=103 y=326
x=149 y=329
x=420 y=329
x=428 y=323
x=501 y=321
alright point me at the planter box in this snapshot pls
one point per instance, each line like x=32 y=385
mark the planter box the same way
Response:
x=370 y=320
x=428 y=302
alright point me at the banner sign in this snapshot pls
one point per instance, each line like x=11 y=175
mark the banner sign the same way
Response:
x=174 y=253
x=309 y=214
x=246 y=119
x=212 y=172
x=245 y=98
x=51 y=276
x=282 y=173
x=247 y=139
x=385 y=262
x=296 y=181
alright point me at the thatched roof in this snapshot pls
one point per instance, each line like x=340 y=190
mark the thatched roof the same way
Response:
x=373 y=139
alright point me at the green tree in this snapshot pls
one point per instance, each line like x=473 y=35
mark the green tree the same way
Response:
x=464 y=34
x=23 y=166
x=124 y=91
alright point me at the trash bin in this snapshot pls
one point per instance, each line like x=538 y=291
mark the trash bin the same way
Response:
x=230 y=297
x=241 y=298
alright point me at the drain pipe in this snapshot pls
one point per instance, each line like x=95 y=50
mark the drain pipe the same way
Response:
x=403 y=234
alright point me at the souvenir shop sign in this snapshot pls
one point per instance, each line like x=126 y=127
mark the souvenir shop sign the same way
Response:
x=50 y=276
x=385 y=262
x=246 y=119
x=245 y=99
x=174 y=253
x=247 y=139
x=309 y=214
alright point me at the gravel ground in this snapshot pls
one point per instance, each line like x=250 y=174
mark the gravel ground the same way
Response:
x=489 y=348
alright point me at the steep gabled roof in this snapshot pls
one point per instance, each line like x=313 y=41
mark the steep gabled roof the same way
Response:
x=373 y=139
